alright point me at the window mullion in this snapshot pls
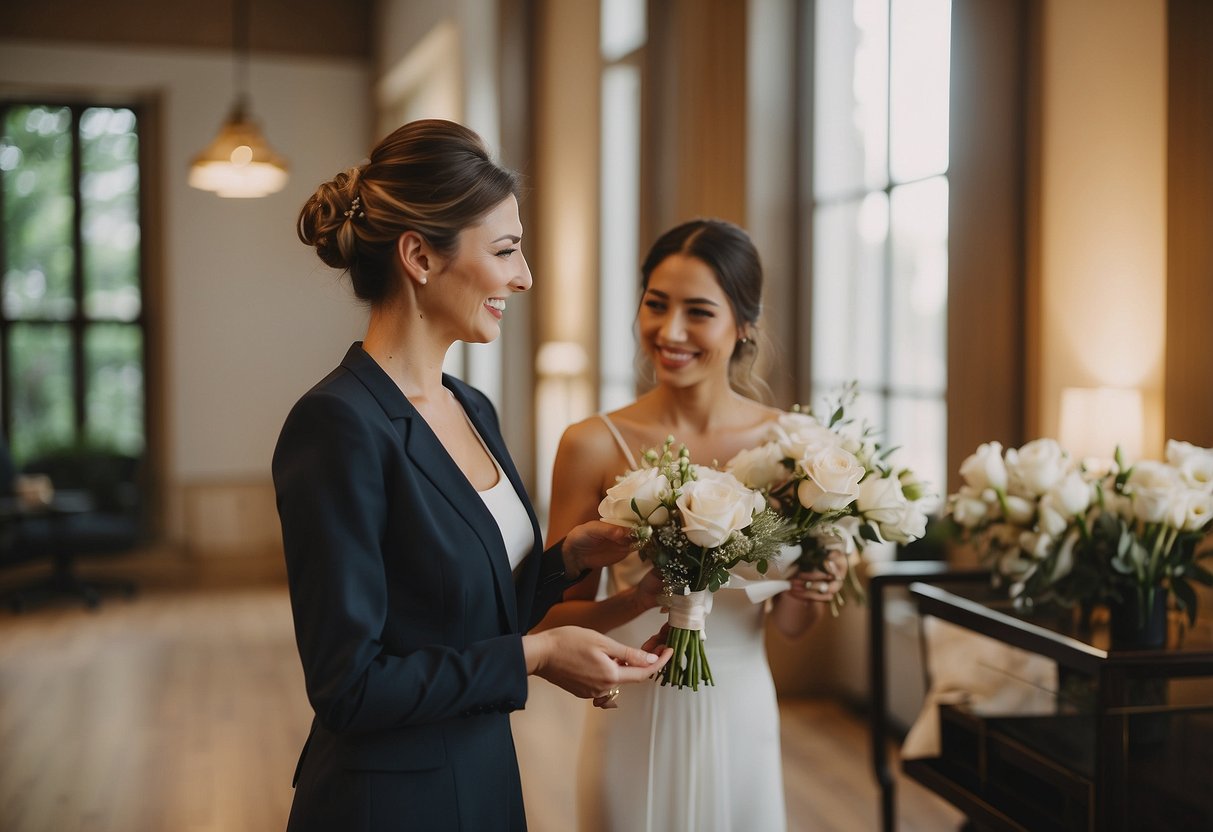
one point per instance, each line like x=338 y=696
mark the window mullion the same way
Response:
x=78 y=322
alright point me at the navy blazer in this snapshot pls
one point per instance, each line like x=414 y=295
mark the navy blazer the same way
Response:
x=408 y=619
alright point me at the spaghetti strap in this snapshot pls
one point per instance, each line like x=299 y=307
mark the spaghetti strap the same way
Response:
x=627 y=453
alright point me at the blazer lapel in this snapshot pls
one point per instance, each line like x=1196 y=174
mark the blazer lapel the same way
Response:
x=433 y=461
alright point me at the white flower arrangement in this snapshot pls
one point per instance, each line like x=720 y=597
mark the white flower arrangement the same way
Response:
x=1059 y=531
x=695 y=524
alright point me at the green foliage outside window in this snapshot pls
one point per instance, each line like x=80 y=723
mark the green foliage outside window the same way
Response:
x=72 y=322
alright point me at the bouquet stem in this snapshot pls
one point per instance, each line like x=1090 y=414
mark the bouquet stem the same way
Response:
x=688 y=667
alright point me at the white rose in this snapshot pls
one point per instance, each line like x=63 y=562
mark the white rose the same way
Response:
x=799 y=435
x=908 y=527
x=760 y=467
x=984 y=468
x=831 y=479
x=714 y=507
x=1072 y=494
x=1154 y=489
x=880 y=499
x=648 y=488
x=1037 y=466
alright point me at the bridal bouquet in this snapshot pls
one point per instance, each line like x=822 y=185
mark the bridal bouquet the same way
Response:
x=835 y=484
x=694 y=524
x=1059 y=531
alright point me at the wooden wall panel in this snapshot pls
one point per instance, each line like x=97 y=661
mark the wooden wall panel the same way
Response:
x=329 y=28
x=1189 y=340
x=986 y=263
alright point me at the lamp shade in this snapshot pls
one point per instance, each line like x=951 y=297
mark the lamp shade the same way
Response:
x=239 y=162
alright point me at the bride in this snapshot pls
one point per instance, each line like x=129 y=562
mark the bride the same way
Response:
x=661 y=758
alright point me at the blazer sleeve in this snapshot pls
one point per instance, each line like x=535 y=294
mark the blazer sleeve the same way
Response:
x=329 y=477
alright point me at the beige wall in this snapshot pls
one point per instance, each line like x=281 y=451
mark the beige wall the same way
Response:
x=1103 y=218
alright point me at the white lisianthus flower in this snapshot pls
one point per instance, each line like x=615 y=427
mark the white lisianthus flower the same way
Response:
x=648 y=488
x=1200 y=511
x=1195 y=464
x=1065 y=557
x=1037 y=466
x=1051 y=517
x=1154 y=489
x=1036 y=544
x=1019 y=510
x=831 y=479
x=985 y=468
x=760 y=467
x=968 y=509
x=1072 y=494
x=713 y=507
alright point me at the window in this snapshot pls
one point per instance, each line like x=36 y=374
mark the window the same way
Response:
x=880 y=217
x=72 y=325
x=623 y=37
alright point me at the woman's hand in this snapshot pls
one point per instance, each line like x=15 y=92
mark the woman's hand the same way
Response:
x=649 y=593
x=595 y=544
x=587 y=663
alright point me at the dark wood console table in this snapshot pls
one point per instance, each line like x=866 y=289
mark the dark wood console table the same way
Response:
x=1130 y=750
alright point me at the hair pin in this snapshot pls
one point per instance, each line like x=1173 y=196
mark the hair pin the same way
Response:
x=355 y=209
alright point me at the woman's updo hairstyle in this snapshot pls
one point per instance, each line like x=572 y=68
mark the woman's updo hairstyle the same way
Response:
x=433 y=177
x=728 y=251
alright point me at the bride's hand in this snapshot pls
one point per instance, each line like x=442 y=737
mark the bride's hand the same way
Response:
x=595 y=544
x=820 y=585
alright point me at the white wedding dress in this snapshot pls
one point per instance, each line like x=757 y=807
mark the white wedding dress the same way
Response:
x=670 y=759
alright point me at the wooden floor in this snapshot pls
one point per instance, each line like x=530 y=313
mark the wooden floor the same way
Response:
x=183 y=711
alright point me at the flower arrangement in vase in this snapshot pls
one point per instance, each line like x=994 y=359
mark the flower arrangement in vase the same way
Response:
x=1056 y=530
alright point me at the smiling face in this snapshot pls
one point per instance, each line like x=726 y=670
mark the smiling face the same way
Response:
x=686 y=323
x=469 y=293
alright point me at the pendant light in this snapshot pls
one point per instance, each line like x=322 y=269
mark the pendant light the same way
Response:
x=239 y=162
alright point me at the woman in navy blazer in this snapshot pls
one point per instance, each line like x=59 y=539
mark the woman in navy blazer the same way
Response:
x=413 y=555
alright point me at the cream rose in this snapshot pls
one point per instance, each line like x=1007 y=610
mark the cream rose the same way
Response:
x=880 y=499
x=647 y=488
x=831 y=479
x=714 y=506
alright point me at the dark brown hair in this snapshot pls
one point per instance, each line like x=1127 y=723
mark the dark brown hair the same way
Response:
x=728 y=251
x=432 y=176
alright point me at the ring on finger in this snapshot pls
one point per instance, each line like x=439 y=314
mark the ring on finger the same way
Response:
x=612 y=694
x=823 y=587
